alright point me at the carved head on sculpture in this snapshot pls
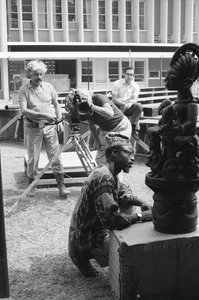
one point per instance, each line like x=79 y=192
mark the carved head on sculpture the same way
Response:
x=184 y=68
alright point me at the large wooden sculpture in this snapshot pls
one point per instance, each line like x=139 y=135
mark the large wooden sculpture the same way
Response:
x=174 y=151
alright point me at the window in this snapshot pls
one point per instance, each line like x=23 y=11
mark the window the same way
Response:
x=154 y=74
x=102 y=18
x=87 y=11
x=139 y=71
x=195 y=18
x=72 y=14
x=142 y=15
x=164 y=73
x=115 y=15
x=50 y=64
x=27 y=14
x=125 y=64
x=13 y=14
x=113 y=70
x=15 y=69
x=87 y=71
x=57 y=14
x=129 y=15
x=42 y=14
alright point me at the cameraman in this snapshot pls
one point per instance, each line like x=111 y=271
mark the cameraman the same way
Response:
x=99 y=110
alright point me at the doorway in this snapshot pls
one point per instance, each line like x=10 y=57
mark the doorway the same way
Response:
x=67 y=67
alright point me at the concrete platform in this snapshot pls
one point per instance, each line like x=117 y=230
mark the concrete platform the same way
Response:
x=75 y=173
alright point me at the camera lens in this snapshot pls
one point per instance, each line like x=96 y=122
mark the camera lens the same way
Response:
x=83 y=107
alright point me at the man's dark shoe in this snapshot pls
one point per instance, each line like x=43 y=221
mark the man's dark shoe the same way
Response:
x=88 y=270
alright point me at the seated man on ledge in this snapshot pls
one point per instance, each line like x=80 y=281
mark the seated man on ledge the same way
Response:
x=104 y=204
x=125 y=94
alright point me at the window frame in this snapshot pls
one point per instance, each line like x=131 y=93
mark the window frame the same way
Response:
x=195 y=19
x=85 y=74
x=56 y=14
x=13 y=13
x=164 y=73
x=142 y=17
x=113 y=76
x=27 y=23
x=154 y=71
x=139 y=76
x=102 y=16
x=73 y=22
x=45 y=14
x=130 y=23
x=115 y=15
x=87 y=15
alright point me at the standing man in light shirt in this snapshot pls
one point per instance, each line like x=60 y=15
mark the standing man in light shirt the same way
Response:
x=40 y=109
x=125 y=94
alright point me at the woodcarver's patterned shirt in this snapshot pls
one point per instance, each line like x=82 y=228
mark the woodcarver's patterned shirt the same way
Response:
x=97 y=211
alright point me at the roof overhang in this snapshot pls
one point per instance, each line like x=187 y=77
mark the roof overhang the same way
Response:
x=89 y=50
x=76 y=55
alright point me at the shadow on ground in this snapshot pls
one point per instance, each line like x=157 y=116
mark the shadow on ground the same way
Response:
x=55 y=277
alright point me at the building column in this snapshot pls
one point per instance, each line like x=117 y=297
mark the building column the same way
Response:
x=136 y=27
x=19 y=5
x=80 y=24
x=65 y=21
x=197 y=21
x=150 y=21
x=3 y=48
x=3 y=26
x=109 y=21
x=189 y=20
x=50 y=21
x=35 y=20
x=163 y=20
x=177 y=20
x=122 y=20
x=95 y=21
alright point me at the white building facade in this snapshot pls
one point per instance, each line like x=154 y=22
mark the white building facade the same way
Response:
x=92 y=41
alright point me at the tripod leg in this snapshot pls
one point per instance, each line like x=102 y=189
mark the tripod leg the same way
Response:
x=88 y=153
x=63 y=148
x=82 y=157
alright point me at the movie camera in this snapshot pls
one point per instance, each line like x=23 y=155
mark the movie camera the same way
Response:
x=81 y=103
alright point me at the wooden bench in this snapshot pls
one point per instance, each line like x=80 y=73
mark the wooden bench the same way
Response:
x=155 y=94
x=146 y=95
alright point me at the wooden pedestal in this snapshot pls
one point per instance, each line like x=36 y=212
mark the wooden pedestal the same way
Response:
x=149 y=265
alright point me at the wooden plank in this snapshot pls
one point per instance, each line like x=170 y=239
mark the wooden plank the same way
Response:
x=70 y=161
x=143 y=145
x=156 y=98
x=151 y=121
x=75 y=173
x=12 y=121
x=158 y=92
x=67 y=181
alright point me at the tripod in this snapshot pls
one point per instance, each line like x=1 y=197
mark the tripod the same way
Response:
x=82 y=150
